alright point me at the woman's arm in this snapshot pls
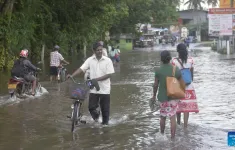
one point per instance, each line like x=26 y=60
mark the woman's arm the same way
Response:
x=155 y=87
x=192 y=70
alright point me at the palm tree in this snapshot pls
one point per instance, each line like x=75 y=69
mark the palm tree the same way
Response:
x=212 y=2
x=195 y=4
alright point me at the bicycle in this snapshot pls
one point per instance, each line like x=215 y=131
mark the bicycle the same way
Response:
x=62 y=72
x=79 y=95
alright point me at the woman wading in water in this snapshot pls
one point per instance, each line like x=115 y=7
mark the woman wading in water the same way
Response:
x=168 y=106
x=189 y=103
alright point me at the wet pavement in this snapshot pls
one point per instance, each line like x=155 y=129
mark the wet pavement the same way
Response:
x=41 y=122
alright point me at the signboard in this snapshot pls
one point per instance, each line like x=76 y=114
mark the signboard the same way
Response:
x=175 y=30
x=226 y=24
x=226 y=4
x=184 y=32
x=221 y=21
x=214 y=24
x=233 y=23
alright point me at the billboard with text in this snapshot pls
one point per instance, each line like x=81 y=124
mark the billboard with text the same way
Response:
x=221 y=21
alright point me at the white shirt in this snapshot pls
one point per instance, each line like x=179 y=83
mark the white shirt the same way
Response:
x=189 y=64
x=99 y=68
x=56 y=58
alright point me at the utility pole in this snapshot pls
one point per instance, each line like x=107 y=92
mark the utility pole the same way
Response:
x=231 y=3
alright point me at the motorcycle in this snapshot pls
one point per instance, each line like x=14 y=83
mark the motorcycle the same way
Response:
x=19 y=87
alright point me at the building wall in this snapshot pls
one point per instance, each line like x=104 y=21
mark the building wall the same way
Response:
x=195 y=16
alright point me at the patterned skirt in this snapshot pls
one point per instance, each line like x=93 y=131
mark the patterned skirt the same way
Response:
x=168 y=108
x=189 y=103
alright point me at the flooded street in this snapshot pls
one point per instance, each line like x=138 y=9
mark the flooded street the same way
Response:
x=41 y=123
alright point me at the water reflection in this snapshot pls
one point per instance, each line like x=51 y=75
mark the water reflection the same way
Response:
x=42 y=123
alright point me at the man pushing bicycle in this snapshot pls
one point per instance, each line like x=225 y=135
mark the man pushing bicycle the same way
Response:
x=101 y=69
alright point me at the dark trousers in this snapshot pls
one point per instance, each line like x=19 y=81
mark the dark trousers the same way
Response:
x=104 y=101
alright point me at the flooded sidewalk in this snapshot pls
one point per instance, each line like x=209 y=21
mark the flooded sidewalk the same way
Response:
x=41 y=123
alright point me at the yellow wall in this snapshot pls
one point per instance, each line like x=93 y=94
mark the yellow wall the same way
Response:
x=226 y=3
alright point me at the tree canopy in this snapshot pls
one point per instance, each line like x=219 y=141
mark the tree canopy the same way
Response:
x=71 y=24
x=198 y=4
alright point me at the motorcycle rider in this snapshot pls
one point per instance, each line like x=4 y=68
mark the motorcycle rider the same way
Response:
x=23 y=68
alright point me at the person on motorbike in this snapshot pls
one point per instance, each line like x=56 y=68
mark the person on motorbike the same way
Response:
x=23 y=68
x=55 y=61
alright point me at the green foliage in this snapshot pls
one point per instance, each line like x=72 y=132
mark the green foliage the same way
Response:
x=71 y=24
x=195 y=4
x=214 y=3
x=148 y=11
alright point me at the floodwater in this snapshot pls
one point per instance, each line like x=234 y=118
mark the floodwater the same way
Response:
x=41 y=124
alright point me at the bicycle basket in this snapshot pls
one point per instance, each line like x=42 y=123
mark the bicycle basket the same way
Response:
x=78 y=91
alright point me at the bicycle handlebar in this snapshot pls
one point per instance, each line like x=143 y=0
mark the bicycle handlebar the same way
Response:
x=74 y=80
x=95 y=84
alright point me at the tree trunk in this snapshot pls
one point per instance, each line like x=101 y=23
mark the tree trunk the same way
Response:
x=42 y=53
x=7 y=6
x=5 y=53
x=42 y=58
x=84 y=49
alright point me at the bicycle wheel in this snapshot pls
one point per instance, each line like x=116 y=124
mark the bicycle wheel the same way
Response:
x=62 y=75
x=76 y=115
x=58 y=77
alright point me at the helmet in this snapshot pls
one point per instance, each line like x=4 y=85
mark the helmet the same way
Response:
x=56 y=47
x=101 y=42
x=24 y=53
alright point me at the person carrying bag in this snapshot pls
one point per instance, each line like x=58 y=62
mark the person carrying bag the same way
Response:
x=175 y=88
x=167 y=84
x=186 y=73
x=188 y=103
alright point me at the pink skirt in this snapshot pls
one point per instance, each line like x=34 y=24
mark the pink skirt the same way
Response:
x=189 y=103
x=168 y=108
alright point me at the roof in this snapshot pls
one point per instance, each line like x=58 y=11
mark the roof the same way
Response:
x=193 y=10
